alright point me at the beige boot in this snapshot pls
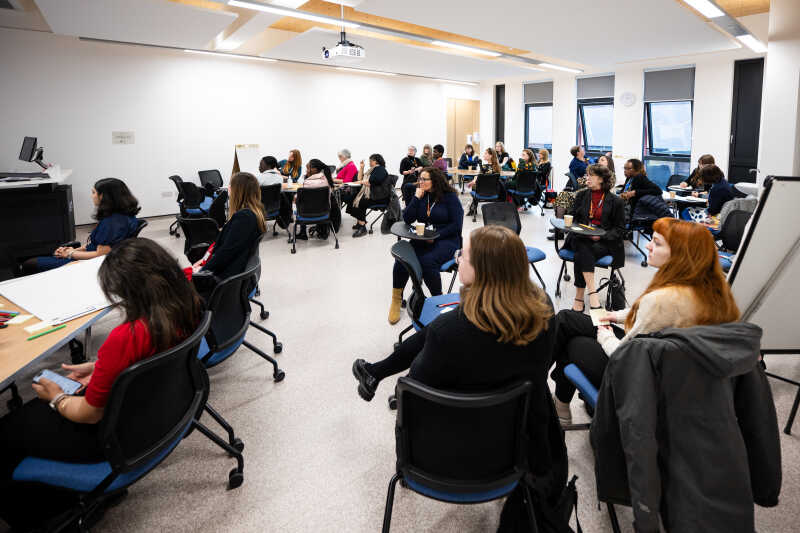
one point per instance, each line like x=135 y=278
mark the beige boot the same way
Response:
x=394 y=309
x=563 y=412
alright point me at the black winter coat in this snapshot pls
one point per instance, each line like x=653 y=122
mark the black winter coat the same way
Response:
x=612 y=220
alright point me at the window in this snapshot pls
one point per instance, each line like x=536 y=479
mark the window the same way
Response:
x=539 y=126
x=596 y=125
x=667 y=140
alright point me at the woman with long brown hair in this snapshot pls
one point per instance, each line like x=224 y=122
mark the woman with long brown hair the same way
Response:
x=500 y=334
x=689 y=289
x=292 y=166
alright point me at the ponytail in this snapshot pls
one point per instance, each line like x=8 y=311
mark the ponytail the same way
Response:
x=319 y=166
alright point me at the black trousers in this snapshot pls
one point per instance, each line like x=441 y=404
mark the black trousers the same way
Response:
x=359 y=212
x=38 y=431
x=576 y=343
x=587 y=252
x=431 y=257
x=401 y=358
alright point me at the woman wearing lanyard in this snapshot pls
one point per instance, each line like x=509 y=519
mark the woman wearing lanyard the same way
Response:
x=435 y=203
x=598 y=206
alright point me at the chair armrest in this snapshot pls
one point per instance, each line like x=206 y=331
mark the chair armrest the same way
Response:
x=72 y=244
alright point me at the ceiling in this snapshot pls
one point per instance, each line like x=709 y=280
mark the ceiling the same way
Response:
x=582 y=33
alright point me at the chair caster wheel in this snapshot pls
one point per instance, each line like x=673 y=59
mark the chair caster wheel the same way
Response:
x=403 y=304
x=277 y=347
x=370 y=232
x=177 y=235
x=644 y=263
x=264 y=315
x=396 y=345
x=393 y=402
x=294 y=251
x=278 y=376
x=235 y=479
x=567 y=277
x=237 y=444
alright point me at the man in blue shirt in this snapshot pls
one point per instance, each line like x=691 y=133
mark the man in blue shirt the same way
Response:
x=578 y=164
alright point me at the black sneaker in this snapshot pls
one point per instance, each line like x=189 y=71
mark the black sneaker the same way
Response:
x=366 y=383
x=360 y=231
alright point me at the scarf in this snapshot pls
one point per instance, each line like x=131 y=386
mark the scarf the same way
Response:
x=344 y=164
x=364 y=192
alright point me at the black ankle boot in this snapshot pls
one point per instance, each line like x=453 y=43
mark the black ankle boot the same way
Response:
x=366 y=382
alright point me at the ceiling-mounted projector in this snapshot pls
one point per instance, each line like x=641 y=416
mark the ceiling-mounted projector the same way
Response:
x=344 y=51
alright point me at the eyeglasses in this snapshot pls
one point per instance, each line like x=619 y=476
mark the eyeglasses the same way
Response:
x=424 y=179
x=457 y=256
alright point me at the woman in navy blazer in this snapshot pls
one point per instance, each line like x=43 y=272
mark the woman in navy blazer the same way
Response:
x=435 y=203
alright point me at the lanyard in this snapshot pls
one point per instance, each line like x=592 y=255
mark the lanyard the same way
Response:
x=591 y=206
x=430 y=206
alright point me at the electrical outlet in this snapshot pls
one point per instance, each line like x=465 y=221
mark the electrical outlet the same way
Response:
x=166 y=194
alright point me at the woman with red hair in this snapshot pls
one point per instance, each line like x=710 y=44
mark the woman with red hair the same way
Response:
x=689 y=289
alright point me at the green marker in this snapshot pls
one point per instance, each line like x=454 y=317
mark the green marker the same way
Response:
x=62 y=326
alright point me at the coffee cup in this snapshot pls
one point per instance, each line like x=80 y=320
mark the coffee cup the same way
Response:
x=420 y=228
x=567 y=220
x=672 y=194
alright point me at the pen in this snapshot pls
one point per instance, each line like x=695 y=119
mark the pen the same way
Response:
x=448 y=305
x=8 y=313
x=585 y=226
x=62 y=326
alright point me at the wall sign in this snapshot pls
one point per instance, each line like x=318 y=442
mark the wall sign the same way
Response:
x=122 y=137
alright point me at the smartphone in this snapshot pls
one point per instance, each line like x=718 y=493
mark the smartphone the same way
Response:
x=69 y=386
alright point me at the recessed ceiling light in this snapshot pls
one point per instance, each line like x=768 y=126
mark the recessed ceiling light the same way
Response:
x=286 y=12
x=225 y=54
x=752 y=43
x=559 y=67
x=229 y=44
x=466 y=48
x=454 y=81
x=364 y=71
x=706 y=8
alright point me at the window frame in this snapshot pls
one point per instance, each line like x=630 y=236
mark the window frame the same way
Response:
x=527 y=127
x=647 y=135
x=580 y=126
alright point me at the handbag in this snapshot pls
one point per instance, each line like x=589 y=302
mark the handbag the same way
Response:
x=615 y=296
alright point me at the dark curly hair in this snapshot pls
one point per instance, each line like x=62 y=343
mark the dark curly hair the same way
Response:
x=604 y=173
x=115 y=197
x=439 y=185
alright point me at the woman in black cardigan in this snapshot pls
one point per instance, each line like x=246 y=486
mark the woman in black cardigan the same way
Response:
x=596 y=205
x=501 y=333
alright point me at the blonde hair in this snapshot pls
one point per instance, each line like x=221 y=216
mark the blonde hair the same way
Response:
x=502 y=300
x=295 y=167
x=544 y=155
x=246 y=194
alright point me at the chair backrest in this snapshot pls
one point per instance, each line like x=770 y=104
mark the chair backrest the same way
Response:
x=332 y=168
x=200 y=233
x=393 y=180
x=404 y=254
x=462 y=443
x=675 y=179
x=449 y=161
x=732 y=230
x=192 y=195
x=573 y=181
x=210 y=177
x=177 y=181
x=314 y=202
x=527 y=180
x=271 y=199
x=140 y=225
x=218 y=208
x=748 y=204
x=230 y=305
x=501 y=214
x=486 y=184
x=152 y=403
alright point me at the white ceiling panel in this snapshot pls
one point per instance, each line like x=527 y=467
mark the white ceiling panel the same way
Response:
x=142 y=21
x=591 y=32
x=394 y=57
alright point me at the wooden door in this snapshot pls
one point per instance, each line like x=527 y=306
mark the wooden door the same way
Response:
x=463 y=119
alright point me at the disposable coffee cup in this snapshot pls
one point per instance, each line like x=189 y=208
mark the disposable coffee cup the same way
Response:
x=567 y=220
x=420 y=228
x=672 y=194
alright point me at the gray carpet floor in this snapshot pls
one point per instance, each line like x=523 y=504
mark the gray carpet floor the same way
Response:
x=317 y=457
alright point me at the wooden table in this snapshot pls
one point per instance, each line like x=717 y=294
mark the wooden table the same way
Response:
x=460 y=173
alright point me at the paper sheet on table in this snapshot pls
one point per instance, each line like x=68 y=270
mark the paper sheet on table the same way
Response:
x=19 y=319
x=61 y=294
x=597 y=316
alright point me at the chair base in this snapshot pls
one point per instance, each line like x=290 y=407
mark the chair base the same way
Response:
x=264 y=314
x=235 y=476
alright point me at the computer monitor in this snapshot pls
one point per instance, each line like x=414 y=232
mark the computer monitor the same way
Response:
x=28 y=149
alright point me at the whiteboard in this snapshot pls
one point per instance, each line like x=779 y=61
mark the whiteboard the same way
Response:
x=763 y=277
x=246 y=158
x=61 y=294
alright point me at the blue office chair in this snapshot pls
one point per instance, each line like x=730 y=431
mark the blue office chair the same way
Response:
x=191 y=202
x=313 y=207
x=484 y=436
x=528 y=188
x=505 y=214
x=383 y=206
x=649 y=208
x=568 y=256
x=484 y=190
x=153 y=405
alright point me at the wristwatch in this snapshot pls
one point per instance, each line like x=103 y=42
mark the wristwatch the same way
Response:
x=54 y=402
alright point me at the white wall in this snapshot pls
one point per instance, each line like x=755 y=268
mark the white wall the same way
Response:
x=188 y=111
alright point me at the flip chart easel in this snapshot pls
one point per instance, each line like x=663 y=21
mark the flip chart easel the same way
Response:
x=246 y=158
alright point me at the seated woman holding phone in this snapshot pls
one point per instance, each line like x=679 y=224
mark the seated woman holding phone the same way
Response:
x=689 y=289
x=160 y=309
x=595 y=205
x=116 y=221
x=435 y=203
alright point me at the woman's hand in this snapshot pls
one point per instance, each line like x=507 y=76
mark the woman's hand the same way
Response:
x=610 y=316
x=46 y=389
x=81 y=373
x=419 y=193
x=694 y=194
x=361 y=165
x=683 y=185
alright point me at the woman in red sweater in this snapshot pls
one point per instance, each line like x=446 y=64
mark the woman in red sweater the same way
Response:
x=160 y=309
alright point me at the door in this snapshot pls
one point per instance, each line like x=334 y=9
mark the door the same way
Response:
x=748 y=76
x=463 y=122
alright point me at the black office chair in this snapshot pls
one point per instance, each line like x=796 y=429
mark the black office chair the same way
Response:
x=505 y=214
x=639 y=223
x=152 y=407
x=218 y=210
x=731 y=234
x=332 y=168
x=382 y=207
x=572 y=184
x=191 y=202
x=271 y=199
x=675 y=179
x=141 y=224
x=528 y=188
x=313 y=207
x=200 y=234
x=484 y=190
x=211 y=180
x=484 y=436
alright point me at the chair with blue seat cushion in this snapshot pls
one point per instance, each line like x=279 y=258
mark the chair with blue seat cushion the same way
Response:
x=450 y=267
x=483 y=436
x=313 y=207
x=191 y=202
x=484 y=190
x=505 y=214
x=200 y=234
x=726 y=260
x=568 y=256
x=528 y=188
x=153 y=405
x=271 y=200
